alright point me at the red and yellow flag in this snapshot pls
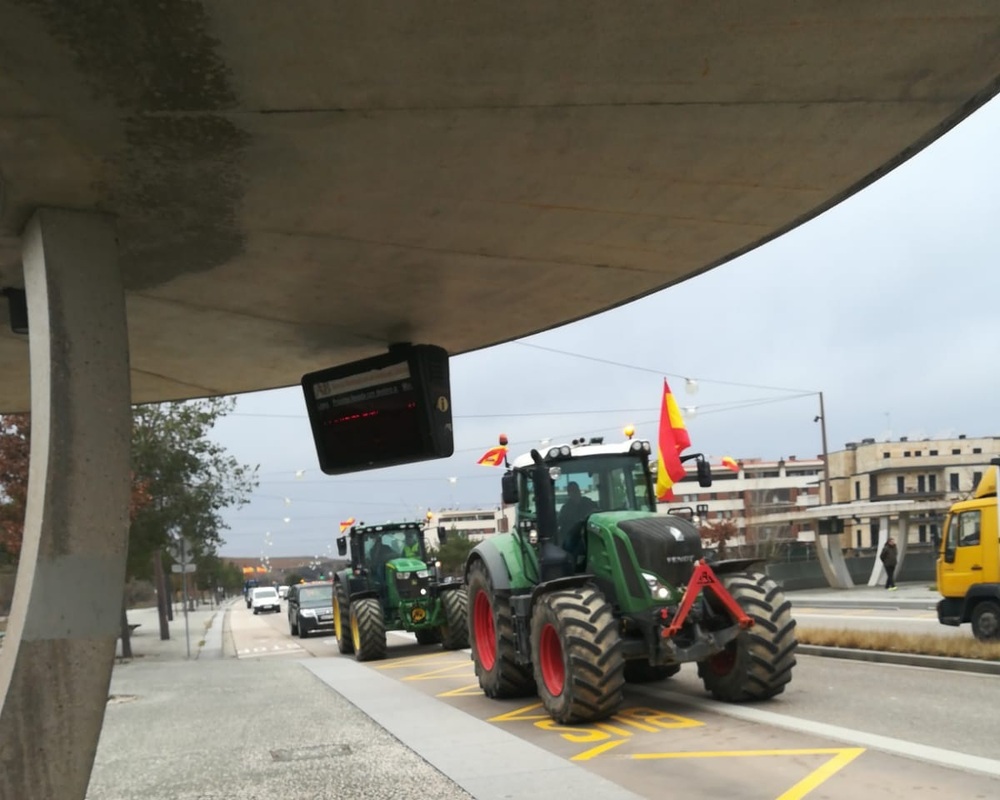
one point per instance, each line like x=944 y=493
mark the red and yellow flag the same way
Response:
x=672 y=441
x=729 y=461
x=494 y=457
x=345 y=524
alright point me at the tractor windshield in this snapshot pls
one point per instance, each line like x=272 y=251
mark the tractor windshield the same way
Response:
x=384 y=546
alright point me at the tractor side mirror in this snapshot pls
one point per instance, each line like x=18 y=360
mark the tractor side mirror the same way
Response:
x=508 y=485
x=342 y=545
x=704 y=473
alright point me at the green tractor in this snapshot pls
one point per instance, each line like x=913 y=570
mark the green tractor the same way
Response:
x=593 y=588
x=391 y=585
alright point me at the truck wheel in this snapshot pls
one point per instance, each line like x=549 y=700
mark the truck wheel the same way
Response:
x=491 y=635
x=428 y=636
x=639 y=670
x=368 y=629
x=577 y=655
x=986 y=621
x=758 y=663
x=341 y=606
x=455 y=631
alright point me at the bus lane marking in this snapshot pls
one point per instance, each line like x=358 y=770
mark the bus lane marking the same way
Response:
x=842 y=756
x=441 y=672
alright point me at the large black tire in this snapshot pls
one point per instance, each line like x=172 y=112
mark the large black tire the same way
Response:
x=455 y=631
x=986 y=621
x=641 y=671
x=491 y=636
x=368 y=629
x=292 y=627
x=341 y=619
x=758 y=663
x=428 y=636
x=577 y=655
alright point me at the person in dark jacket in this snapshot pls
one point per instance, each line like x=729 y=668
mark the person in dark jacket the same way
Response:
x=889 y=558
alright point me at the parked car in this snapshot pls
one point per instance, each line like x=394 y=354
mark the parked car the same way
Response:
x=283 y=592
x=310 y=608
x=265 y=598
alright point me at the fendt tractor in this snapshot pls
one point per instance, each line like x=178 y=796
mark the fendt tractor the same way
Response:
x=391 y=585
x=594 y=588
x=968 y=565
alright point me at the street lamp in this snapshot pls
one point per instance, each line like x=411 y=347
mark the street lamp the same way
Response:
x=821 y=419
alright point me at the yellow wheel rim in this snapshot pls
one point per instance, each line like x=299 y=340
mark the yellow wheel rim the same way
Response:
x=338 y=623
x=355 y=633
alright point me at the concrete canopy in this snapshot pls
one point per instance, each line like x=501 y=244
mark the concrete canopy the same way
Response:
x=298 y=185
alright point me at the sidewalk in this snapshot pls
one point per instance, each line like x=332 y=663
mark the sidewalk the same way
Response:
x=909 y=595
x=204 y=629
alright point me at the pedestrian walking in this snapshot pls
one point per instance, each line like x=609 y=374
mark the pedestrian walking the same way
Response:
x=889 y=556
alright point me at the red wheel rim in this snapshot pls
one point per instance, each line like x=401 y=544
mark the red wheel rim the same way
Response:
x=723 y=663
x=550 y=655
x=485 y=632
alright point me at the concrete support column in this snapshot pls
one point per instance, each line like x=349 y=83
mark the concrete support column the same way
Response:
x=878 y=571
x=56 y=662
x=831 y=560
x=902 y=539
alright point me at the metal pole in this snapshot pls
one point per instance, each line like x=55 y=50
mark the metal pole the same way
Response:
x=826 y=454
x=184 y=589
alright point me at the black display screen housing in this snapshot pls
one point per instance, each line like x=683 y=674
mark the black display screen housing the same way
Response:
x=382 y=411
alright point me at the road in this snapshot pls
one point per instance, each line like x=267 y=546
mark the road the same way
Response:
x=899 y=620
x=842 y=729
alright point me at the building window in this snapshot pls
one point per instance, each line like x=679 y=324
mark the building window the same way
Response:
x=857 y=490
x=906 y=454
x=885 y=455
x=932 y=483
x=977 y=450
x=976 y=477
x=899 y=485
x=932 y=452
x=918 y=453
x=922 y=533
x=956 y=452
x=953 y=482
x=921 y=484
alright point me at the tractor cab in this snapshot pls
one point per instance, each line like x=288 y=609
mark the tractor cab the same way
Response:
x=384 y=555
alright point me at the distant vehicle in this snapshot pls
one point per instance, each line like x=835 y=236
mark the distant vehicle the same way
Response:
x=265 y=598
x=968 y=565
x=310 y=608
x=282 y=592
x=248 y=587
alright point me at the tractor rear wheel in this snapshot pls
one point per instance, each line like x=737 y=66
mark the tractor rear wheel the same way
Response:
x=341 y=612
x=491 y=635
x=758 y=663
x=455 y=631
x=577 y=655
x=641 y=671
x=428 y=636
x=368 y=629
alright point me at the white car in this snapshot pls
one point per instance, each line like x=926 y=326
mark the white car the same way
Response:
x=283 y=592
x=265 y=598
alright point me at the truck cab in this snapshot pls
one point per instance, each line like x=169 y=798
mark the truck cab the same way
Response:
x=968 y=565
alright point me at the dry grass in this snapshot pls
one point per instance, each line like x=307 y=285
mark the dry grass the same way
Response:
x=927 y=644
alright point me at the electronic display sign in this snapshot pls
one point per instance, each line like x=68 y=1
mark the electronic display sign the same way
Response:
x=381 y=411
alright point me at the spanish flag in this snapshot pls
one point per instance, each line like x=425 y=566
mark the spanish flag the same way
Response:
x=729 y=461
x=672 y=441
x=494 y=457
x=346 y=523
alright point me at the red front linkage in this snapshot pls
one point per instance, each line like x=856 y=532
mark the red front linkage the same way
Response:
x=704 y=578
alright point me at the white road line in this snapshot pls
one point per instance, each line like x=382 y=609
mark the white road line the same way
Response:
x=886 y=744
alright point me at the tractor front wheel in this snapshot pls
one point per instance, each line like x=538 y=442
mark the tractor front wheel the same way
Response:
x=455 y=631
x=491 y=635
x=368 y=629
x=341 y=612
x=577 y=655
x=757 y=664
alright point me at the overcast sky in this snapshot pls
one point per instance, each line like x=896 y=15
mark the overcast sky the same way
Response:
x=887 y=304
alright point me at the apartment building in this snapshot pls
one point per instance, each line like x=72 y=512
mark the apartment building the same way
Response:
x=475 y=523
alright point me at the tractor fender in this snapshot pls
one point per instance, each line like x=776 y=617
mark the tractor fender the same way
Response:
x=449 y=587
x=489 y=555
x=363 y=594
x=556 y=584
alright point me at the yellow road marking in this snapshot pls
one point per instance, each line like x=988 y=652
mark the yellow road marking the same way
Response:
x=842 y=756
x=520 y=715
x=586 y=755
x=472 y=690
x=409 y=661
x=441 y=672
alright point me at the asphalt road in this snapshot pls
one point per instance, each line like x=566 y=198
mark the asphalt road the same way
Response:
x=842 y=729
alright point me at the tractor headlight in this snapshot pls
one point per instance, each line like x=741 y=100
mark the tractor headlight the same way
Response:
x=555 y=472
x=403 y=575
x=656 y=588
x=423 y=573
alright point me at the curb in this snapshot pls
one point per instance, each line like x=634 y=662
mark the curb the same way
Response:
x=971 y=665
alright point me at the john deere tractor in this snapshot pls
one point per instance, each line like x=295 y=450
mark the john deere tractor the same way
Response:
x=391 y=585
x=593 y=588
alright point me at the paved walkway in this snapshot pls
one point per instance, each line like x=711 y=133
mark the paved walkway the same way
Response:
x=909 y=595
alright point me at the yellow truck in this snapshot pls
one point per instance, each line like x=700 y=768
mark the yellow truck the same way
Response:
x=968 y=565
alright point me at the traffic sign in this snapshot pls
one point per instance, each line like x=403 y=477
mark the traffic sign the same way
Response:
x=180 y=551
x=182 y=567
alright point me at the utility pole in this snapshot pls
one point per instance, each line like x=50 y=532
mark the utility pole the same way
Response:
x=828 y=499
